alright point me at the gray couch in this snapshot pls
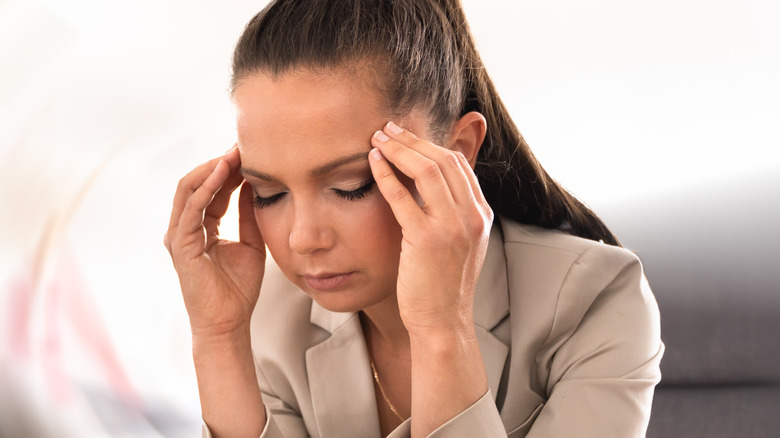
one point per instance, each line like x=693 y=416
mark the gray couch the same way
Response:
x=711 y=254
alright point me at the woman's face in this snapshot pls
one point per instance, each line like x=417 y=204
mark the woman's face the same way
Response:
x=304 y=140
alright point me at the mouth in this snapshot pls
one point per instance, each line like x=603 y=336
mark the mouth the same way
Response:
x=327 y=281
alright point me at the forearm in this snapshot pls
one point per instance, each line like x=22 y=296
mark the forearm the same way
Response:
x=229 y=395
x=448 y=376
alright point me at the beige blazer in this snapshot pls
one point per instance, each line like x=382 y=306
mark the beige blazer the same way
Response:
x=568 y=328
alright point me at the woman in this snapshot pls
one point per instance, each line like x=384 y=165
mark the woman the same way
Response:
x=432 y=279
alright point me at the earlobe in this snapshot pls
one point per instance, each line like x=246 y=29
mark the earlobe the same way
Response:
x=467 y=136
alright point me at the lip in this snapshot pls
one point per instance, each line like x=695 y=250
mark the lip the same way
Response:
x=327 y=281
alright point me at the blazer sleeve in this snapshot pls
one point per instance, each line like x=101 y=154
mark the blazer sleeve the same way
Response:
x=282 y=421
x=605 y=350
x=478 y=420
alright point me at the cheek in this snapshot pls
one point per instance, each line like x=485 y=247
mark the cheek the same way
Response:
x=379 y=230
x=272 y=231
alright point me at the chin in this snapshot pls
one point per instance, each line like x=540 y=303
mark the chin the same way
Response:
x=342 y=302
x=348 y=300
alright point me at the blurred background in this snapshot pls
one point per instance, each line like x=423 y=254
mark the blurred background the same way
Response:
x=105 y=105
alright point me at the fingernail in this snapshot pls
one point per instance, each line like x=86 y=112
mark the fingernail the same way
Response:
x=231 y=149
x=393 y=128
x=376 y=154
x=381 y=136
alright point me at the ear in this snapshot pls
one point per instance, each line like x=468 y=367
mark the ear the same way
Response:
x=467 y=136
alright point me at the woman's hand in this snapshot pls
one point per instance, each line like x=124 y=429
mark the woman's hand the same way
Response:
x=220 y=280
x=445 y=229
x=445 y=233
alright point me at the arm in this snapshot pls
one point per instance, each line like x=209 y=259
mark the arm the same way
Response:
x=448 y=376
x=280 y=419
x=230 y=398
x=445 y=236
x=604 y=357
x=602 y=353
x=220 y=282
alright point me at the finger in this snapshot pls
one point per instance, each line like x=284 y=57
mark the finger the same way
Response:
x=476 y=189
x=190 y=231
x=405 y=208
x=219 y=205
x=212 y=217
x=447 y=160
x=248 y=232
x=427 y=176
x=193 y=180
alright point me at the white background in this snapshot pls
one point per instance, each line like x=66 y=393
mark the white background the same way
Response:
x=105 y=105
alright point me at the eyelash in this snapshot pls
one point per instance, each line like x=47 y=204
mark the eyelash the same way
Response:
x=349 y=195
x=358 y=193
x=266 y=202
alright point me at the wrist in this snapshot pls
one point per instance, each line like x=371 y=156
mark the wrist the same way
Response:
x=442 y=330
x=231 y=402
x=448 y=375
x=227 y=331
x=237 y=340
x=444 y=340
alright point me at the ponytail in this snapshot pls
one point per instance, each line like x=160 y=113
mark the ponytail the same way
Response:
x=512 y=179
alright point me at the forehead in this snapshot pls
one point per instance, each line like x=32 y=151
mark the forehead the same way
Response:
x=308 y=108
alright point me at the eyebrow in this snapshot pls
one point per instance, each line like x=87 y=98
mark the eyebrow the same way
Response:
x=319 y=171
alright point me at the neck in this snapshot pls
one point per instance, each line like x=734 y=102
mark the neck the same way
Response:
x=383 y=322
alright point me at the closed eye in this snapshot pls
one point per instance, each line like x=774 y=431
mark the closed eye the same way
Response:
x=359 y=193
x=261 y=202
x=349 y=195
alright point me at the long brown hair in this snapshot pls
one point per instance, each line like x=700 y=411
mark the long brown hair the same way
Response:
x=428 y=60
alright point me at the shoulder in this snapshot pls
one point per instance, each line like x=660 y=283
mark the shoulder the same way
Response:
x=531 y=249
x=532 y=235
x=555 y=279
x=584 y=326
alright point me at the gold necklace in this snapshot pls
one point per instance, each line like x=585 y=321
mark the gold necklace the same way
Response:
x=382 y=390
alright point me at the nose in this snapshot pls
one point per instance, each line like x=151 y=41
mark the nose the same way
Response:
x=310 y=231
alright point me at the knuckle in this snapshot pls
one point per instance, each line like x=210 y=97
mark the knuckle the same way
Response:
x=189 y=203
x=182 y=185
x=173 y=249
x=386 y=174
x=430 y=170
x=400 y=151
x=476 y=226
x=478 y=221
x=397 y=193
x=193 y=203
x=489 y=215
x=415 y=141
x=451 y=159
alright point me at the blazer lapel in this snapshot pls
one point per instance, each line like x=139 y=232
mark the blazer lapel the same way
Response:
x=340 y=379
x=491 y=306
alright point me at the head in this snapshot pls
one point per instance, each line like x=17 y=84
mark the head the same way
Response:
x=313 y=79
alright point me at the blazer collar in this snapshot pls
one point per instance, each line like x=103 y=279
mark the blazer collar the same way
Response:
x=340 y=380
x=327 y=320
x=491 y=298
x=491 y=306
